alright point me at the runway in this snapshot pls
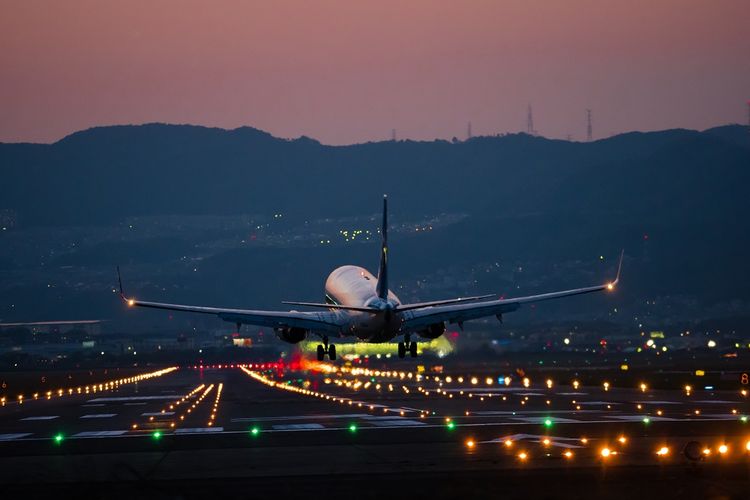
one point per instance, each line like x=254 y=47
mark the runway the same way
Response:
x=265 y=422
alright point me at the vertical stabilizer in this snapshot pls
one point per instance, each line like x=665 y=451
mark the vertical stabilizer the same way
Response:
x=382 y=286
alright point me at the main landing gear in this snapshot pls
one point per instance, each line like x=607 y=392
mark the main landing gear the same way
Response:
x=407 y=345
x=326 y=348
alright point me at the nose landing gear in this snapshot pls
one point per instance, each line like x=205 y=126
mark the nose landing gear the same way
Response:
x=326 y=348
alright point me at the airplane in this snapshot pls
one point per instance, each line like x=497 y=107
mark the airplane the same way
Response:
x=361 y=305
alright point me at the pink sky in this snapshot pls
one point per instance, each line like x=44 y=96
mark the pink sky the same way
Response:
x=345 y=71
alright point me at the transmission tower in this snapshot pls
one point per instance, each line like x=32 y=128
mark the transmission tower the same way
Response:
x=530 y=122
x=589 y=131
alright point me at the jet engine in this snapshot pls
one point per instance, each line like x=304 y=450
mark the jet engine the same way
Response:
x=433 y=331
x=291 y=335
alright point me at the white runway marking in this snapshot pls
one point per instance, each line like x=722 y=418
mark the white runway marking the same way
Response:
x=198 y=430
x=716 y=402
x=44 y=417
x=597 y=403
x=294 y=427
x=157 y=413
x=396 y=423
x=93 y=434
x=639 y=418
x=540 y=420
x=134 y=404
x=658 y=402
x=99 y=415
x=572 y=394
x=300 y=417
x=10 y=437
x=98 y=404
x=132 y=398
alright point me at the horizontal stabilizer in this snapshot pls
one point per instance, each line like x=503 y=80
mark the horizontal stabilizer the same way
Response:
x=419 y=305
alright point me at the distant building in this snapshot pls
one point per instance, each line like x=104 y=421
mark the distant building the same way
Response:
x=56 y=329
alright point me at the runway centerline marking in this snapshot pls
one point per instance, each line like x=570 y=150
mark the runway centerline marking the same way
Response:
x=95 y=434
x=157 y=414
x=393 y=422
x=17 y=435
x=128 y=398
x=199 y=430
x=298 y=417
x=99 y=415
x=291 y=427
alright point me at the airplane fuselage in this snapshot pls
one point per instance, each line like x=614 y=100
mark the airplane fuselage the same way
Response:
x=356 y=287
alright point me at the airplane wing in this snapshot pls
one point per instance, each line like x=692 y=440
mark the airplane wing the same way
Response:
x=319 y=321
x=458 y=313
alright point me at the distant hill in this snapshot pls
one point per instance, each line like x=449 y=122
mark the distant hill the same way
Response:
x=676 y=199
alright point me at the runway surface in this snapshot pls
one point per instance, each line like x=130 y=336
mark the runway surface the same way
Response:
x=265 y=424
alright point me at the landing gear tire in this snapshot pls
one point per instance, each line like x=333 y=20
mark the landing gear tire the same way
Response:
x=321 y=352
x=401 y=350
x=332 y=352
x=413 y=349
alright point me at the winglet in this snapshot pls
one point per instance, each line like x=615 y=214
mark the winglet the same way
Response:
x=611 y=284
x=119 y=280
x=130 y=302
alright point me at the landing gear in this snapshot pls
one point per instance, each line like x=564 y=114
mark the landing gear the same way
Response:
x=401 y=350
x=407 y=345
x=324 y=349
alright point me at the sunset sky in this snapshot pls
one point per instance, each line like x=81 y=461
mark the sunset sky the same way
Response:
x=345 y=71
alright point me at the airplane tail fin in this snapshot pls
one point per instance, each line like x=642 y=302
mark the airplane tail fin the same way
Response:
x=382 y=286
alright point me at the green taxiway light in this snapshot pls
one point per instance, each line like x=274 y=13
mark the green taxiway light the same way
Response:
x=59 y=438
x=451 y=426
x=548 y=422
x=744 y=419
x=646 y=420
x=352 y=428
x=156 y=435
x=254 y=431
